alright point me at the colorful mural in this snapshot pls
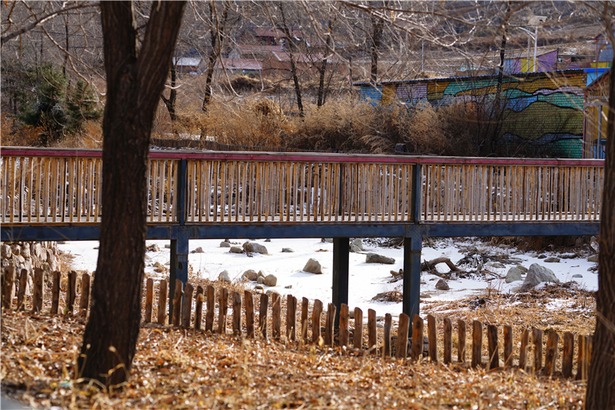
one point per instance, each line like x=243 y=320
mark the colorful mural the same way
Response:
x=596 y=121
x=542 y=107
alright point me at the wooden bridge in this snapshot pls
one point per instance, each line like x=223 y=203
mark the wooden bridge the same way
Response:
x=54 y=194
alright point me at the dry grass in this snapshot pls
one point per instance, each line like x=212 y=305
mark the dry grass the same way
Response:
x=176 y=368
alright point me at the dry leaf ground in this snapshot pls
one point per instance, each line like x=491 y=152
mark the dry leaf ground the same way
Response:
x=184 y=369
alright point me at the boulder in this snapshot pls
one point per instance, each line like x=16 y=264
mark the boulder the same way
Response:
x=593 y=258
x=260 y=280
x=224 y=276
x=313 y=266
x=578 y=275
x=514 y=274
x=442 y=285
x=253 y=247
x=251 y=274
x=356 y=245
x=225 y=244
x=6 y=251
x=552 y=259
x=522 y=268
x=235 y=249
x=287 y=250
x=538 y=274
x=270 y=280
x=259 y=288
x=497 y=265
x=25 y=251
x=198 y=250
x=376 y=258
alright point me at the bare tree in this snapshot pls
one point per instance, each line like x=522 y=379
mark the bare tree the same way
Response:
x=135 y=79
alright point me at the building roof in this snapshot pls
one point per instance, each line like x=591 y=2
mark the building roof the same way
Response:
x=240 y=64
x=257 y=49
x=275 y=32
x=187 y=61
x=306 y=58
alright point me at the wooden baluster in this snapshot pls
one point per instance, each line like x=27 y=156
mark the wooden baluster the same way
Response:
x=222 y=311
x=417 y=337
x=358 y=328
x=23 y=283
x=508 y=346
x=55 y=292
x=477 y=343
x=249 y=307
x=583 y=361
x=162 y=302
x=262 y=316
x=551 y=356
x=149 y=300
x=276 y=316
x=372 y=331
x=187 y=306
x=177 y=299
x=344 y=325
x=492 y=342
x=461 y=335
x=329 y=322
x=8 y=286
x=198 y=313
x=211 y=308
x=37 y=298
x=71 y=293
x=433 y=338
x=568 y=355
x=84 y=302
x=388 y=322
x=236 y=297
x=291 y=318
x=304 y=319
x=448 y=341
x=537 y=341
x=316 y=312
x=402 y=336
x=525 y=340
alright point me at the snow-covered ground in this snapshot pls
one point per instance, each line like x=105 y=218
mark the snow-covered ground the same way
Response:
x=366 y=280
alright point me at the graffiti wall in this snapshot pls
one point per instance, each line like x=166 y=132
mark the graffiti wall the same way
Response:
x=546 y=108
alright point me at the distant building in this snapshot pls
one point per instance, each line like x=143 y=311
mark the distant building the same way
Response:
x=278 y=63
x=191 y=65
x=596 y=116
x=242 y=66
x=544 y=62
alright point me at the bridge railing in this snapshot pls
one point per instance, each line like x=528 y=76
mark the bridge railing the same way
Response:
x=64 y=186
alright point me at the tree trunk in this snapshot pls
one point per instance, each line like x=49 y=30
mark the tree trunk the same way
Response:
x=216 y=36
x=293 y=66
x=601 y=382
x=135 y=79
x=170 y=102
x=378 y=26
x=323 y=68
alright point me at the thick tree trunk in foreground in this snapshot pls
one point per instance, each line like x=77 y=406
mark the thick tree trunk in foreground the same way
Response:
x=601 y=383
x=135 y=79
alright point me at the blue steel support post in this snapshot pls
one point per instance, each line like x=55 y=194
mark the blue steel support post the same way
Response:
x=415 y=194
x=179 y=245
x=412 y=276
x=341 y=250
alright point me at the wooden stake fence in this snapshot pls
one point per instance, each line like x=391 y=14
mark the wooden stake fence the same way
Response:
x=243 y=324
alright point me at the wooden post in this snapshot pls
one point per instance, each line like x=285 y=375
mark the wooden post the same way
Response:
x=582 y=362
x=222 y=311
x=537 y=341
x=508 y=346
x=330 y=322
x=372 y=331
x=236 y=313
x=37 y=298
x=492 y=345
x=149 y=299
x=162 y=302
x=344 y=325
x=72 y=290
x=262 y=315
x=477 y=343
x=21 y=294
x=432 y=335
x=187 y=306
x=568 y=355
x=402 y=336
x=304 y=319
x=198 y=311
x=55 y=292
x=417 y=337
x=448 y=341
x=211 y=308
x=461 y=334
x=276 y=316
x=84 y=302
x=8 y=287
x=388 y=323
x=177 y=298
x=316 y=312
x=551 y=356
x=249 y=307
x=358 y=328
x=291 y=318
x=525 y=341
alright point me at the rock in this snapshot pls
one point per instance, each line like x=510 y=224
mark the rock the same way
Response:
x=326 y=240
x=25 y=251
x=514 y=274
x=251 y=274
x=515 y=260
x=224 y=276
x=260 y=280
x=356 y=245
x=270 y=280
x=578 y=275
x=523 y=268
x=267 y=240
x=313 y=266
x=287 y=250
x=496 y=265
x=568 y=255
x=235 y=249
x=253 y=247
x=375 y=258
x=541 y=256
x=538 y=274
x=167 y=246
x=261 y=274
x=198 y=250
x=552 y=259
x=6 y=251
x=225 y=244
x=16 y=249
x=442 y=285
x=259 y=288
x=271 y=292
x=592 y=258
x=288 y=287
x=152 y=248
